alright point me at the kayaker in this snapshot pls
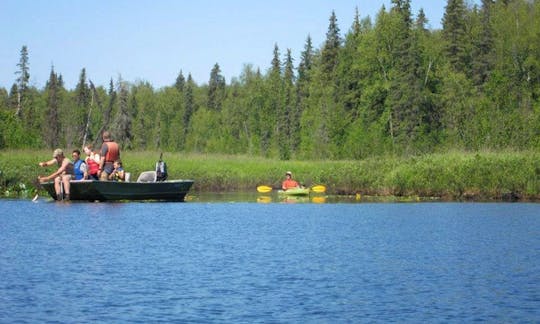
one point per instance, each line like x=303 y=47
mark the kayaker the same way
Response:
x=289 y=183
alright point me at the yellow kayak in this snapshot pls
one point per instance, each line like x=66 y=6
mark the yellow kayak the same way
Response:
x=294 y=192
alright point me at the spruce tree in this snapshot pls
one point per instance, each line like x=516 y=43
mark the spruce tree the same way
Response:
x=80 y=116
x=305 y=65
x=23 y=77
x=270 y=123
x=483 y=58
x=122 y=122
x=189 y=104
x=330 y=51
x=454 y=34
x=51 y=132
x=216 y=89
x=303 y=84
x=405 y=88
x=180 y=82
x=287 y=112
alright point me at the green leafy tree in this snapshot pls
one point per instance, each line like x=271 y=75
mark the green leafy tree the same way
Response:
x=144 y=114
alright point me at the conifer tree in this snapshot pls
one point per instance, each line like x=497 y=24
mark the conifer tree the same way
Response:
x=330 y=51
x=482 y=56
x=180 y=82
x=454 y=34
x=122 y=122
x=405 y=88
x=80 y=113
x=421 y=21
x=107 y=113
x=288 y=115
x=304 y=67
x=303 y=83
x=349 y=90
x=216 y=89
x=189 y=104
x=23 y=77
x=13 y=97
x=51 y=133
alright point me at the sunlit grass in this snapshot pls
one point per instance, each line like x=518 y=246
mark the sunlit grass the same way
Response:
x=452 y=175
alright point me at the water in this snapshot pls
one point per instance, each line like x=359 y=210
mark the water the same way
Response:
x=249 y=262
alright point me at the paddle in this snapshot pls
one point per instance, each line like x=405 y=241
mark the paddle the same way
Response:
x=317 y=189
x=264 y=189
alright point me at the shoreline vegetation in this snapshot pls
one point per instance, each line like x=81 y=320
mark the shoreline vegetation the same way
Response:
x=452 y=176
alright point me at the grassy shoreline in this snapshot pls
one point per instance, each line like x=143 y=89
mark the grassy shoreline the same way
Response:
x=482 y=176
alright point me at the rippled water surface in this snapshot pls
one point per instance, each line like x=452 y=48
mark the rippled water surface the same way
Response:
x=249 y=262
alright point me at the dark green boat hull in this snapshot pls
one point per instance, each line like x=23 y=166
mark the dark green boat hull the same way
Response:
x=173 y=190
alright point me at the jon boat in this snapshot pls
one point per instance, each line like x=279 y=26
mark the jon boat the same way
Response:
x=294 y=192
x=146 y=188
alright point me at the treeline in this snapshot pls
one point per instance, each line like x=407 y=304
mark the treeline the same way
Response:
x=388 y=86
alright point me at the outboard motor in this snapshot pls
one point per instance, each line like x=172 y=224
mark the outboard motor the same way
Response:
x=161 y=169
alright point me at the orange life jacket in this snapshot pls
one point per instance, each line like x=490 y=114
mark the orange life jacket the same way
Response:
x=113 y=152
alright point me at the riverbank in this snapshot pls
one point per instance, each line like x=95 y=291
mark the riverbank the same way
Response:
x=509 y=176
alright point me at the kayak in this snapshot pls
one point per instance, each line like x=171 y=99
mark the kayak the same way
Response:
x=294 y=192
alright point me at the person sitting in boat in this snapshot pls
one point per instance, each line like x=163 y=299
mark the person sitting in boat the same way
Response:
x=62 y=176
x=79 y=166
x=289 y=183
x=118 y=174
x=92 y=161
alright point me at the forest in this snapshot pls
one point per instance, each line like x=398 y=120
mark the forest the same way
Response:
x=387 y=86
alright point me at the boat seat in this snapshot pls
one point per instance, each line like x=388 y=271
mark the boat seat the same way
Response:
x=147 y=176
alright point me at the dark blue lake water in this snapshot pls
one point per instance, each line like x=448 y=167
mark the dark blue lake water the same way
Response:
x=249 y=262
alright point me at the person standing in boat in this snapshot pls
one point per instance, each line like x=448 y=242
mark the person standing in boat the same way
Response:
x=289 y=183
x=110 y=152
x=80 y=169
x=62 y=176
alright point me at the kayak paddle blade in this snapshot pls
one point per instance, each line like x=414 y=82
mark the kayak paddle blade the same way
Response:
x=318 y=188
x=264 y=189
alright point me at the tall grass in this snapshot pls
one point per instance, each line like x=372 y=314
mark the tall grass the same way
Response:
x=452 y=175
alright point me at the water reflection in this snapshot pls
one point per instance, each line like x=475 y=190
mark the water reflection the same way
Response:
x=264 y=199
x=257 y=197
x=273 y=197
x=318 y=199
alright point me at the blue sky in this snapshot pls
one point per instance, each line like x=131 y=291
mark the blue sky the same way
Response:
x=153 y=40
